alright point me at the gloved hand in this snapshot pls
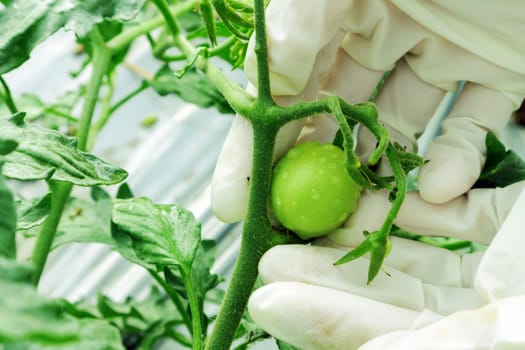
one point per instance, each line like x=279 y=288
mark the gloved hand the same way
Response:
x=426 y=297
x=343 y=47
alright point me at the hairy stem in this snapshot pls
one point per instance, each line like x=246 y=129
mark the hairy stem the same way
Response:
x=124 y=39
x=264 y=95
x=256 y=239
x=401 y=189
x=236 y=96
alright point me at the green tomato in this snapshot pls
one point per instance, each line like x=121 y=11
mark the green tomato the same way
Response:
x=312 y=194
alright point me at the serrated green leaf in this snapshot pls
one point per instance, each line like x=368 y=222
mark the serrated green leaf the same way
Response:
x=7 y=220
x=32 y=213
x=86 y=221
x=48 y=154
x=160 y=235
x=141 y=322
x=83 y=220
x=194 y=87
x=502 y=167
x=32 y=321
x=26 y=23
x=409 y=160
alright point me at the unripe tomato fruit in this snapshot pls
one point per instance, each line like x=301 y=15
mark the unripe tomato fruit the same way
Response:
x=311 y=193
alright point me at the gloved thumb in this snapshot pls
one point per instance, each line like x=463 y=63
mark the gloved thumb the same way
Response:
x=456 y=157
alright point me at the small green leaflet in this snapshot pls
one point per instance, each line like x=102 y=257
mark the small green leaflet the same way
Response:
x=155 y=235
x=502 y=167
x=193 y=87
x=47 y=154
x=26 y=23
x=409 y=161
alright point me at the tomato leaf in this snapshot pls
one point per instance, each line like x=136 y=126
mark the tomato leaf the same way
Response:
x=156 y=235
x=48 y=154
x=86 y=221
x=502 y=167
x=26 y=23
x=377 y=256
x=193 y=87
x=409 y=161
x=32 y=321
x=142 y=322
x=202 y=280
x=83 y=220
x=364 y=247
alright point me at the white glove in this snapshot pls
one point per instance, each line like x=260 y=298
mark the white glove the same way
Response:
x=426 y=297
x=343 y=47
x=325 y=47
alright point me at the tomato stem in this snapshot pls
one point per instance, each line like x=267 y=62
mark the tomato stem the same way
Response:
x=256 y=239
x=60 y=190
x=59 y=194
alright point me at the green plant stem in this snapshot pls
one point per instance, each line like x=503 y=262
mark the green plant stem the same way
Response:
x=256 y=239
x=7 y=97
x=61 y=114
x=124 y=39
x=60 y=190
x=264 y=95
x=194 y=309
x=174 y=297
x=105 y=112
x=143 y=86
x=238 y=98
x=59 y=194
x=100 y=65
x=401 y=189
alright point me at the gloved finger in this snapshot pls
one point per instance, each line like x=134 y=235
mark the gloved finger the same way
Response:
x=315 y=265
x=405 y=104
x=495 y=326
x=230 y=183
x=348 y=80
x=318 y=318
x=296 y=34
x=476 y=216
x=455 y=158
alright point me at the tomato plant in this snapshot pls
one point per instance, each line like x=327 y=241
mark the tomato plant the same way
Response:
x=312 y=193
